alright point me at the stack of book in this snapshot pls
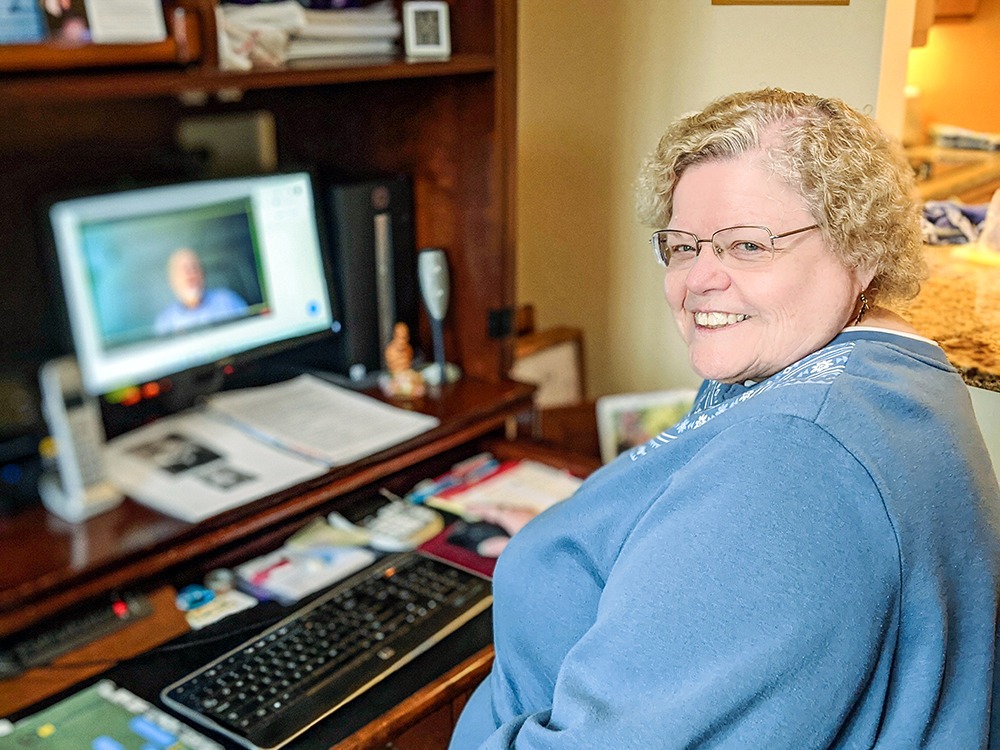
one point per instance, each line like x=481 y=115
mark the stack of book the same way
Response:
x=348 y=32
x=275 y=33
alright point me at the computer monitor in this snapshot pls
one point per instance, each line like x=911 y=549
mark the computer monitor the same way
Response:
x=161 y=280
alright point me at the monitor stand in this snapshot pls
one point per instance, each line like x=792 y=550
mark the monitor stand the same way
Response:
x=187 y=387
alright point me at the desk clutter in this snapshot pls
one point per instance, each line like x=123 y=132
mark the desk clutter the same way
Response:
x=464 y=516
x=284 y=679
x=361 y=599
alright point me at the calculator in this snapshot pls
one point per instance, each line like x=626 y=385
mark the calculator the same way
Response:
x=396 y=526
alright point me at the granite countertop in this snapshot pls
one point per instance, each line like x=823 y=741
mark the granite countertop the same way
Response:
x=959 y=307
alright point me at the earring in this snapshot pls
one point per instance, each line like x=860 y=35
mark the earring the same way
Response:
x=864 y=308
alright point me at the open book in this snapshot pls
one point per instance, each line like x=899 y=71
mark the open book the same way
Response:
x=243 y=445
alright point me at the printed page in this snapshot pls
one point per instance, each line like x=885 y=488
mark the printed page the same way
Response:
x=523 y=485
x=320 y=419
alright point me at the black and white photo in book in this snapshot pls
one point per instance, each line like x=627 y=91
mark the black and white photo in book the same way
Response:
x=426 y=31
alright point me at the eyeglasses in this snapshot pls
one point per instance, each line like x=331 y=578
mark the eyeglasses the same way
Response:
x=735 y=247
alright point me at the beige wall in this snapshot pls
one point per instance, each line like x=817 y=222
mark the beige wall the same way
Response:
x=597 y=83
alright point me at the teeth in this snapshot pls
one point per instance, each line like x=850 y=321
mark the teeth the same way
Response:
x=717 y=319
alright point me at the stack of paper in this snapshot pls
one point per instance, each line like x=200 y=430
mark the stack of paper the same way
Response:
x=273 y=33
x=288 y=575
x=349 y=32
x=320 y=420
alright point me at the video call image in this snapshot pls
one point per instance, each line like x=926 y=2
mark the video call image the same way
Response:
x=167 y=274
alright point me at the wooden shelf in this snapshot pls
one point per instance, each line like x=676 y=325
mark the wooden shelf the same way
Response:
x=100 y=116
x=183 y=45
x=111 y=85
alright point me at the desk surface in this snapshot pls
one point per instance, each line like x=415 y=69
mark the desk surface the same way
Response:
x=133 y=546
x=451 y=668
x=48 y=565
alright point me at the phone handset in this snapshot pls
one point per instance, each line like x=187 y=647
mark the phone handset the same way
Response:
x=78 y=487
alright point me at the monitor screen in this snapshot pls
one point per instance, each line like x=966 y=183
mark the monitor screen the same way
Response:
x=159 y=280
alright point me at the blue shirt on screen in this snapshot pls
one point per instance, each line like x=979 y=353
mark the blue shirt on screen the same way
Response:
x=216 y=305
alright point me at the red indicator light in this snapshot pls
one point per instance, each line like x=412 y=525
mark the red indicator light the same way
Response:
x=120 y=609
x=130 y=396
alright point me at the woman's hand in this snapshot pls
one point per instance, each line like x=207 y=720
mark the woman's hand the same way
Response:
x=511 y=520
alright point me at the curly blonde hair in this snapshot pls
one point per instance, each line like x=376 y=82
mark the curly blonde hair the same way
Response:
x=854 y=179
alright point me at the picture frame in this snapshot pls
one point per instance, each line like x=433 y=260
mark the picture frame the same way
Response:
x=626 y=420
x=426 y=30
x=552 y=360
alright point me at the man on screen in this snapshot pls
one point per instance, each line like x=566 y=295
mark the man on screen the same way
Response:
x=195 y=306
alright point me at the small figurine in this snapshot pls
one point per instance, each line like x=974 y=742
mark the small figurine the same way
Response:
x=402 y=381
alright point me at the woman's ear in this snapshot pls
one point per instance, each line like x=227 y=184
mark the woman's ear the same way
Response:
x=863 y=275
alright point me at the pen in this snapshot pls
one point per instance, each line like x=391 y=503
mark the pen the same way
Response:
x=261 y=576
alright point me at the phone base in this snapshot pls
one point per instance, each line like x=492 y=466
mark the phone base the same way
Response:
x=97 y=499
x=432 y=374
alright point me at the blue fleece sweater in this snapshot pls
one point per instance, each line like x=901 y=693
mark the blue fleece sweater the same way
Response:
x=808 y=562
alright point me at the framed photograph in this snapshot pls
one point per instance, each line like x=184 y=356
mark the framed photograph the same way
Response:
x=426 y=33
x=625 y=420
x=553 y=361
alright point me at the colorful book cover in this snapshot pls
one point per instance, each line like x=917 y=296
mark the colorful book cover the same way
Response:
x=459 y=543
x=21 y=22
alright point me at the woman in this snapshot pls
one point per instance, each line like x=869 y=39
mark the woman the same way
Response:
x=806 y=560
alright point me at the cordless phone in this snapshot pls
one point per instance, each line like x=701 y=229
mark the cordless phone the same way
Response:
x=77 y=488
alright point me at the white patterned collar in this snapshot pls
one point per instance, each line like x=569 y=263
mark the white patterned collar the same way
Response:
x=819 y=368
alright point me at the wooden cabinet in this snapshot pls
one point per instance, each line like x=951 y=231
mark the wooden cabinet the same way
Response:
x=955 y=8
x=449 y=125
x=928 y=12
x=923 y=19
x=96 y=116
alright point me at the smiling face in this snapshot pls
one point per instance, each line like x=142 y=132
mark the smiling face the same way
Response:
x=749 y=323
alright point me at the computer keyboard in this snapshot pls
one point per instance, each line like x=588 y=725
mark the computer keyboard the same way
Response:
x=277 y=684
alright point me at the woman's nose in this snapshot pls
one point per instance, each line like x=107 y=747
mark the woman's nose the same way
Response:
x=707 y=271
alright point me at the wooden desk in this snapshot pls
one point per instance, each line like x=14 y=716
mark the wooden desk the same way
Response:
x=87 y=117
x=49 y=566
x=164 y=623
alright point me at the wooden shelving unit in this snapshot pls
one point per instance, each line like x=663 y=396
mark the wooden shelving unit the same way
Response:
x=449 y=125
x=96 y=115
